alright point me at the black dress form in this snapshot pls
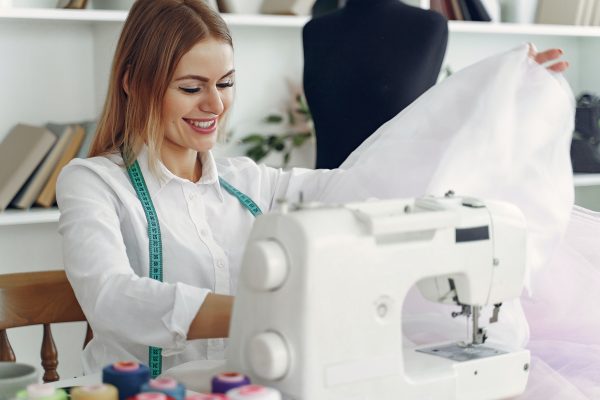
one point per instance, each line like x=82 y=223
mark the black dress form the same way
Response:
x=364 y=64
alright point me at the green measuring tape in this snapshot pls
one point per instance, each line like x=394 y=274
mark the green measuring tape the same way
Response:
x=155 y=241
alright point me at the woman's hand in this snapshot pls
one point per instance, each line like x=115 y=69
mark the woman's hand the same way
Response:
x=549 y=56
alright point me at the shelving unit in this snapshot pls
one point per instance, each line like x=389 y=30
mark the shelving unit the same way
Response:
x=55 y=66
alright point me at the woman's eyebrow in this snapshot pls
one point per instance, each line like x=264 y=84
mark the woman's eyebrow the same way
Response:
x=202 y=78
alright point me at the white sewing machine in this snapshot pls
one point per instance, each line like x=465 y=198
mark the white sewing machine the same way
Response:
x=318 y=307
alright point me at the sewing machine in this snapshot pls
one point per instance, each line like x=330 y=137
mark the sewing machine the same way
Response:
x=318 y=307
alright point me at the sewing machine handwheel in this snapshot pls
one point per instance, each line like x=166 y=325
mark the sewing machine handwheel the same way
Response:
x=269 y=356
x=266 y=265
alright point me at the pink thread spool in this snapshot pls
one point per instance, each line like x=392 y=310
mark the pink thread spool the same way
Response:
x=254 y=392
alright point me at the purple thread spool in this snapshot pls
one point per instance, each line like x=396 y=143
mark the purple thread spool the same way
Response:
x=225 y=381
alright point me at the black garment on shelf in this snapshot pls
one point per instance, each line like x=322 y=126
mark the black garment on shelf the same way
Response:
x=364 y=64
x=585 y=146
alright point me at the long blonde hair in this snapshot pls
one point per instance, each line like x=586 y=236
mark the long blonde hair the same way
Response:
x=156 y=35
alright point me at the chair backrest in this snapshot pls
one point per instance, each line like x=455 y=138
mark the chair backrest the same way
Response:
x=37 y=298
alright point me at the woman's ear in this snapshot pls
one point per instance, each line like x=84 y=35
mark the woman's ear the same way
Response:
x=126 y=82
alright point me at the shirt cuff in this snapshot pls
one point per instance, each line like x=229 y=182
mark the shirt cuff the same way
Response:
x=188 y=300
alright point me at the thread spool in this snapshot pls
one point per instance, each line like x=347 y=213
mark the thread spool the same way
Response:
x=202 y=396
x=127 y=377
x=168 y=386
x=150 y=396
x=226 y=381
x=254 y=392
x=42 y=391
x=95 y=392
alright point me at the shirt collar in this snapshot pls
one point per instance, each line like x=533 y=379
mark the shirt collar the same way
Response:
x=210 y=177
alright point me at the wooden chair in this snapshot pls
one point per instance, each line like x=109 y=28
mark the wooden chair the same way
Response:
x=36 y=298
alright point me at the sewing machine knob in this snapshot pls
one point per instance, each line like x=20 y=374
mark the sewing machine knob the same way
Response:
x=266 y=265
x=269 y=356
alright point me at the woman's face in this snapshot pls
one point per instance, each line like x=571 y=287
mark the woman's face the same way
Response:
x=198 y=96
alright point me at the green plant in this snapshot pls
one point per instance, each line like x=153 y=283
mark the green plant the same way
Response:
x=298 y=129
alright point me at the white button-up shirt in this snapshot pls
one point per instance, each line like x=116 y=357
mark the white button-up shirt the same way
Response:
x=204 y=230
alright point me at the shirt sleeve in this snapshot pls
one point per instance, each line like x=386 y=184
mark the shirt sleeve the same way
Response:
x=107 y=288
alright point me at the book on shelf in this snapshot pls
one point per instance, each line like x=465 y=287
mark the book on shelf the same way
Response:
x=561 y=12
x=90 y=130
x=47 y=196
x=461 y=10
x=239 y=6
x=596 y=13
x=287 y=7
x=31 y=190
x=21 y=152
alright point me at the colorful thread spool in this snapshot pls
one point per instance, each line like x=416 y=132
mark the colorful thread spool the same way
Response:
x=150 y=396
x=168 y=386
x=226 y=381
x=95 y=392
x=42 y=391
x=201 y=396
x=127 y=377
x=254 y=392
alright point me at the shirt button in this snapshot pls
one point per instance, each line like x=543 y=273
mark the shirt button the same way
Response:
x=203 y=232
x=220 y=264
x=191 y=196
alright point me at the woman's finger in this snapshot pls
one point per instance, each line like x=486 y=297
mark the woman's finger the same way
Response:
x=560 y=66
x=548 y=55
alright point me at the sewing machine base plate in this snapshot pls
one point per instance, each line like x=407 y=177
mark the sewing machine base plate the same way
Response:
x=459 y=353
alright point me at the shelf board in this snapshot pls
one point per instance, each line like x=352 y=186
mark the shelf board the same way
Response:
x=523 y=29
x=586 y=180
x=34 y=216
x=282 y=21
x=52 y=14
x=57 y=14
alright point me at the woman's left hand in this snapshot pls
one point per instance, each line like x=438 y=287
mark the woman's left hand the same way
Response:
x=549 y=56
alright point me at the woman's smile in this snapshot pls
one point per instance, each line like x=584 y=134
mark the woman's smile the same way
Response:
x=204 y=126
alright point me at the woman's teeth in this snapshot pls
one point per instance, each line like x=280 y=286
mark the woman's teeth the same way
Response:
x=202 y=124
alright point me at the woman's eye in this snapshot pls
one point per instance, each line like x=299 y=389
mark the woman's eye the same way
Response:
x=190 y=90
x=224 y=85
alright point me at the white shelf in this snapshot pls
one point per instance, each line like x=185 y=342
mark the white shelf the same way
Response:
x=523 y=29
x=33 y=216
x=51 y=14
x=586 y=180
x=253 y=20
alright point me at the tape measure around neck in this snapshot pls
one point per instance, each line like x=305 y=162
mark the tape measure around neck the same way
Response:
x=246 y=201
x=155 y=243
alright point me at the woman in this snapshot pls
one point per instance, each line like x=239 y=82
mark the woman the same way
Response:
x=171 y=86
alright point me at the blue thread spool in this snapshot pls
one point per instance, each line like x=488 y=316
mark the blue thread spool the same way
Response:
x=226 y=381
x=127 y=377
x=168 y=386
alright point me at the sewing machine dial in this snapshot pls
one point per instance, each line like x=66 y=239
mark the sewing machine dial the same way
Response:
x=267 y=265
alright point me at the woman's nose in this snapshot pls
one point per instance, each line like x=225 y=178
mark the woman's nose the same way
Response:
x=212 y=102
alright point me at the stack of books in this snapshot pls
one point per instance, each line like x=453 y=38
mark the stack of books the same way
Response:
x=571 y=12
x=31 y=158
x=461 y=10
